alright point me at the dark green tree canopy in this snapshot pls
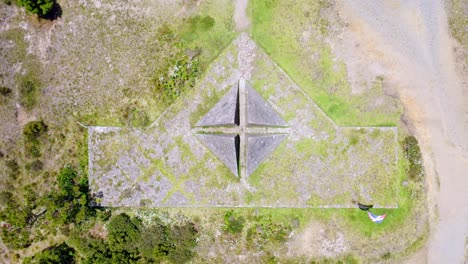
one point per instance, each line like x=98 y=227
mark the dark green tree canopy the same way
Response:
x=61 y=254
x=42 y=8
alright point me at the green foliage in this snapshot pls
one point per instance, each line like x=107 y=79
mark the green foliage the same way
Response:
x=71 y=203
x=413 y=154
x=183 y=241
x=199 y=23
x=91 y=250
x=15 y=233
x=32 y=132
x=42 y=8
x=129 y=241
x=266 y=231
x=29 y=89
x=61 y=254
x=34 y=129
x=154 y=242
x=66 y=180
x=138 y=118
x=233 y=223
x=324 y=79
x=124 y=233
x=170 y=83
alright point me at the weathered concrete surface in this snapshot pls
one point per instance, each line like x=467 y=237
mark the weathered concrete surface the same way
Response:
x=259 y=112
x=224 y=147
x=225 y=112
x=259 y=147
x=167 y=165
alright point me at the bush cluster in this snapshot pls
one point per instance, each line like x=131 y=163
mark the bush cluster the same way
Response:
x=70 y=204
x=412 y=153
x=181 y=76
x=129 y=241
x=233 y=223
x=42 y=8
x=29 y=89
x=32 y=131
x=265 y=231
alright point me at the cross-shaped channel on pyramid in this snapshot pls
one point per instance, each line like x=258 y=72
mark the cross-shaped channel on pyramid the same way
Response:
x=242 y=129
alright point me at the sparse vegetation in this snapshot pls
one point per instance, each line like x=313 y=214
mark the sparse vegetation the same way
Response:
x=414 y=157
x=32 y=132
x=311 y=64
x=169 y=85
x=29 y=90
x=233 y=223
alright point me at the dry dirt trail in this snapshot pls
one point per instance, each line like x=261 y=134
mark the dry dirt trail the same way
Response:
x=240 y=15
x=410 y=40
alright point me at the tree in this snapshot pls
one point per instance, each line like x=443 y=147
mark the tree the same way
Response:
x=42 y=8
x=61 y=254
x=66 y=181
x=124 y=233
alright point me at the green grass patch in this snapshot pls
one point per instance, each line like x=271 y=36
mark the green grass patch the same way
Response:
x=413 y=155
x=457 y=20
x=29 y=87
x=323 y=79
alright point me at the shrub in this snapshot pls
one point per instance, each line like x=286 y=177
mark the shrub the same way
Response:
x=413 y=154
x=180 y=76
x=42 y=8
x=124 y=233
x=233 y=223
x=34 y=129
x=28 y=91
x=266 y=231
x=66 y=180
x=198 y=23
x=183 y=241
x=60 y=254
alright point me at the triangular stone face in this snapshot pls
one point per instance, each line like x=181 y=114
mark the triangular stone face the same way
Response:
x=259 y=112
x=259 y=147
x=225 y=147
x=225 y=112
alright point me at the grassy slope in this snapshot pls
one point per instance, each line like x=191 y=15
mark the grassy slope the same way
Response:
x=311 y=63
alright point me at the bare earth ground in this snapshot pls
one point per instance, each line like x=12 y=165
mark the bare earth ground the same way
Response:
x=411 y=43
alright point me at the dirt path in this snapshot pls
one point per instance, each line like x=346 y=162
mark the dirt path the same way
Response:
x=410 y=40
x=240 y=15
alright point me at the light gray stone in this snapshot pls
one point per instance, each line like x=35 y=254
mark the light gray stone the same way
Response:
x=259 y=147
x=225 y=112
x=259 y=112
x=223 y=146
